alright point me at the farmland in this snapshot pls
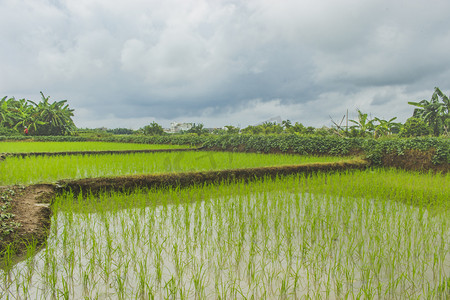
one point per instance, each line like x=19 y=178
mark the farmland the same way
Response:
x=372 y=233
x=28 y=170
x=297 y=236
x=14 y=147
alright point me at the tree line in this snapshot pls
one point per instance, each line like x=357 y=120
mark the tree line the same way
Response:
x=430 y=118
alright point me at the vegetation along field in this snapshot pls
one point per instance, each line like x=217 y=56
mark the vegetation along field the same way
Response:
x=28 y=170
x=358 y=234
x=14 y=147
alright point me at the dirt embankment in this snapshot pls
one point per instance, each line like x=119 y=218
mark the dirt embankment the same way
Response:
x=243 y=148
x=31 y=210
x=124 y=183
x=414 y=160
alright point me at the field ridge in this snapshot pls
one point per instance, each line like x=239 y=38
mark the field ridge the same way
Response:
x=63 y=153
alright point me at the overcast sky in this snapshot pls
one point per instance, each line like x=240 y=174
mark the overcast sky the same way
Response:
x=130 y=62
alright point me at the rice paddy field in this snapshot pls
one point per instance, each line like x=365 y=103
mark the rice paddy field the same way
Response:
x=348 y=235
x=38 y=169
x=23 y=147
x=357 y=234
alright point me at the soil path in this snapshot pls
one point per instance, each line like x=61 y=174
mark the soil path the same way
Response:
x=32 y=206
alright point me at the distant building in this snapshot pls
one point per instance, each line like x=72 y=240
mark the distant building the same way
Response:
x=178 y=127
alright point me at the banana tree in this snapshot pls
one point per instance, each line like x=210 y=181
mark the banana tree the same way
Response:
x=26 y=117
x=41 y=118
x=6 y=116
x=385 y=127
x=363 y=125
x=433 y=112
x=444 y=109
x=56 y=117
x=230 y=129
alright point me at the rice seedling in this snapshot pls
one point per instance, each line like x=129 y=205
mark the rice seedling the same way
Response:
x=317 y=236
x=22 y=147
x=28 y=170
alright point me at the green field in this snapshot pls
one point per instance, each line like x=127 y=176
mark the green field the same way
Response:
x=356 y=234
x=22 y=147
x=28 y=170
x=345 y=235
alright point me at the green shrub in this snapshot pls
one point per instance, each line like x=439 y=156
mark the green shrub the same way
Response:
x=375 y=149
x=5 y=131
x=415 y=127
x=152 y=129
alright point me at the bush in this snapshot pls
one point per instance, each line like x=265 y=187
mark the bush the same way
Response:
x=120 y=131
x=152 y=129
x=4 y=131
x=375 y=149
x=415 y=127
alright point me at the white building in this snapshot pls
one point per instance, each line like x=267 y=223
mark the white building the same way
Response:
x=178 y=127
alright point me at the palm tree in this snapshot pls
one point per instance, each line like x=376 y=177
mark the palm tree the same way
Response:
x=286 y=124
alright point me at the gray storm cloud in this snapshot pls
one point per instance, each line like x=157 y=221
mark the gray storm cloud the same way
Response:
x=127 y=63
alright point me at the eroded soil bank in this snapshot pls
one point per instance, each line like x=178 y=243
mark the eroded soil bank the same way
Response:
x=31 y=209
x=125 y=183
x=414 y=160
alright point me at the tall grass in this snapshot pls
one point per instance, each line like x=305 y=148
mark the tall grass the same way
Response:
x=318 y=236
x=15 y=170
x=13 y=147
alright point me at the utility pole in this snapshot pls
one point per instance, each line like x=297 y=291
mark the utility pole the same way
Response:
x=346 y=123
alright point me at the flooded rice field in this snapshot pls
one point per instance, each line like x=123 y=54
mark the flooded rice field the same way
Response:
x=268 y=241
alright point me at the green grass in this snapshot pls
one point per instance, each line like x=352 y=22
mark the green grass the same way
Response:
x=328 y=235
x=415 y=188
x=15 y=170
x=14 y=147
